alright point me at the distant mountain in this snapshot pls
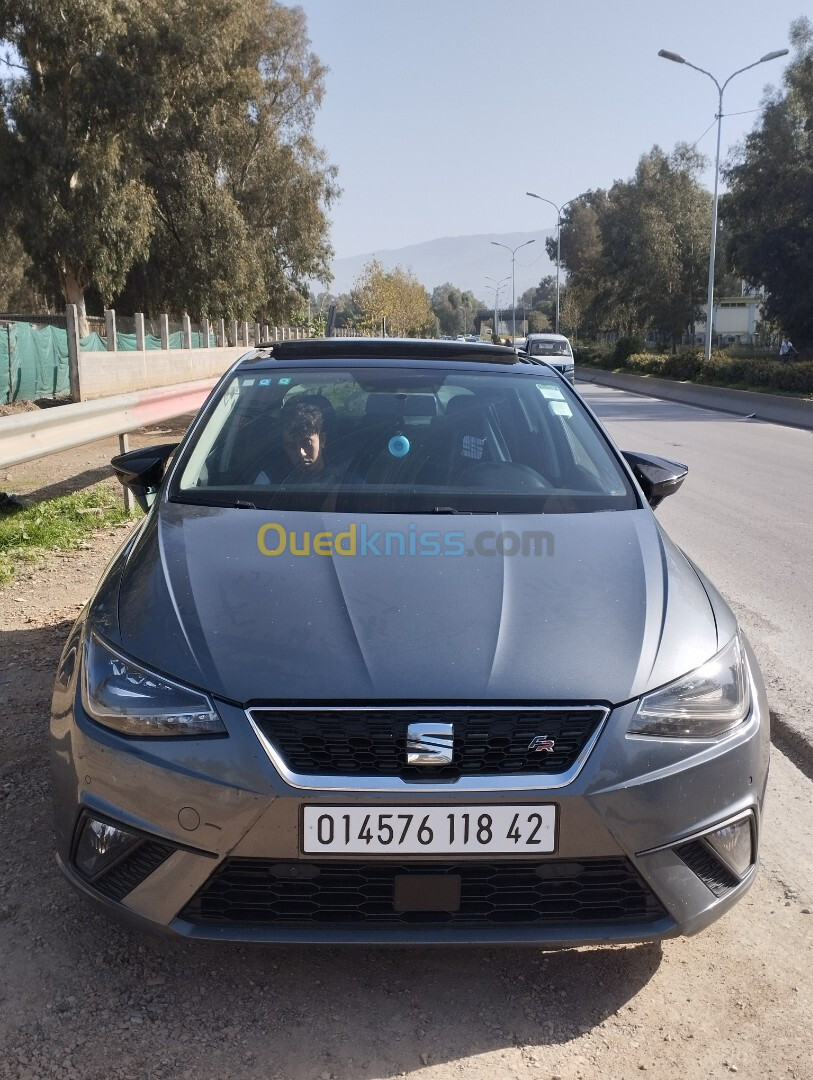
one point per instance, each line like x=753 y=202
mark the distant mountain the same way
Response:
x=465 y=261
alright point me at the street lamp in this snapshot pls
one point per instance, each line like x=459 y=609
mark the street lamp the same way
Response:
x=678 y=59
x=558 y=210
x=513 y=281
x=496 y=286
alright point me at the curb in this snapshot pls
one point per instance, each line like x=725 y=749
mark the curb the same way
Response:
x=794 y=739
x=790 y=411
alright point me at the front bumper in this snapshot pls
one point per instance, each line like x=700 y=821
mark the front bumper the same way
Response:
x=222 y=858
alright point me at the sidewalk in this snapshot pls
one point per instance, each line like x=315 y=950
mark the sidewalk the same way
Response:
x=776 y=408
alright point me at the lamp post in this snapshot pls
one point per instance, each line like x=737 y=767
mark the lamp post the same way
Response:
x=558 y=210
x=513 y=281
x=678 y=59
x=496 y=286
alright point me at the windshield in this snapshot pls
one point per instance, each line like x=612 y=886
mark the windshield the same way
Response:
x=548 y=348
x=400 y=440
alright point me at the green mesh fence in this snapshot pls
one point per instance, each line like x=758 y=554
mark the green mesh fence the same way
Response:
x=92 y=343
x=34 y=359
x=33 y=362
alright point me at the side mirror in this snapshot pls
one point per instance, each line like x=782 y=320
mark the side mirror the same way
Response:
x=143 y=470
x=657 y=476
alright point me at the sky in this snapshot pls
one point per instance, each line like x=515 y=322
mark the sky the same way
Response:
x=441 y=114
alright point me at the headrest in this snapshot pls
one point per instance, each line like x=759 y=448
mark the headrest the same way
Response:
x=401 y=405
x=463 y=403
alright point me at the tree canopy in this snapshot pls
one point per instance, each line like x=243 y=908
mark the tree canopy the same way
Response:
x=637 y=254
x=455 y=309
x=768 y=211
x=392 y=300
x=149 y=175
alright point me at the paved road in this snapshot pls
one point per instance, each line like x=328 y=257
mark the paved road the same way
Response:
x=745 y=516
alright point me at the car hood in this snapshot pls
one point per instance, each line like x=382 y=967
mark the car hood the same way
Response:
x=607 y=609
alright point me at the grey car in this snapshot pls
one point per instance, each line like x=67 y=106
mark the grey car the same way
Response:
x=400 y=654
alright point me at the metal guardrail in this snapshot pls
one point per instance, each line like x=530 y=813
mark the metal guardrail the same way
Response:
x=30 y=435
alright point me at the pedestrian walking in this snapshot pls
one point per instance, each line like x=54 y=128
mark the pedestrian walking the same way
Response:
x=786 y=349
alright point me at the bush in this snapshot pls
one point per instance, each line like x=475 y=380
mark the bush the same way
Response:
x=627 y=346
x=743 y=372
x=683 y=365
x=642 y=363
x=594 y=356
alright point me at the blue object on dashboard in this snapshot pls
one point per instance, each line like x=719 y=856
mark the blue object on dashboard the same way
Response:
x=399 y=446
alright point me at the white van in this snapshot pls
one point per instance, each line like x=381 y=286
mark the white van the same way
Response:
x=554 y=349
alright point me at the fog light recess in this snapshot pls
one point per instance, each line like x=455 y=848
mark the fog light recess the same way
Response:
x=100 y=846
x=733 y=844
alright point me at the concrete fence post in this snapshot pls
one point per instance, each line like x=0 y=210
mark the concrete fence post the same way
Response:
x=204 y=333
x=234 y=339
x=110 y=329
x=257 y=335
x=245 y=335
x=187 y=332
x=164 y=322
x=139 y=325
x=73 y=352
x=265 y=333
x=221 y=333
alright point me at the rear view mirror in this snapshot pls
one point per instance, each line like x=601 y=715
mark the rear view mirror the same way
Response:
x=657 y=476
x=143 y=470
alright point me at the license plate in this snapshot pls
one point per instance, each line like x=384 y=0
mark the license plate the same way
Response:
x=429 y=830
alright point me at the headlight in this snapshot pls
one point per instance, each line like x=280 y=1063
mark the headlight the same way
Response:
x=706 y=703
x=121 y=695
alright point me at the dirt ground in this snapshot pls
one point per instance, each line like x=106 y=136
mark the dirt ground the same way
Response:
x=82 y=998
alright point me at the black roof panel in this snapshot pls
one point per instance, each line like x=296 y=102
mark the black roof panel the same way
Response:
x=390 y=349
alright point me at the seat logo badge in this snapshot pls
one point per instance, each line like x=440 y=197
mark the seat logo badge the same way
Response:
x=540 y=743
x=430 y=744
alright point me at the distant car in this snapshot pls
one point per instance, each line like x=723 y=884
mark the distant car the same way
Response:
x=555 y=350
x=400 y=654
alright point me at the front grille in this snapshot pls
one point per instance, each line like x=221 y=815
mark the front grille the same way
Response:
x=708 y=867
x=264 y=892
x=136 y=865
x=372 y=742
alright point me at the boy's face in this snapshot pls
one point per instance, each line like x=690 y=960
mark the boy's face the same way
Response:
x=304 y=450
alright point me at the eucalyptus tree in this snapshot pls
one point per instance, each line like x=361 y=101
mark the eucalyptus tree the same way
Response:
x=164 y=149
x=225 y=99
x=636 y=254
x=84 y=212
x=768 y=211
x=455 y=309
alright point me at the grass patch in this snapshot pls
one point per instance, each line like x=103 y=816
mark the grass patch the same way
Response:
x=55 y=525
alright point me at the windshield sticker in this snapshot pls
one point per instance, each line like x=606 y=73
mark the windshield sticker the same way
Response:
x=246 y=382
x=266 y=382
x=560 y=408
x=284 y=382
x=552 y=393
